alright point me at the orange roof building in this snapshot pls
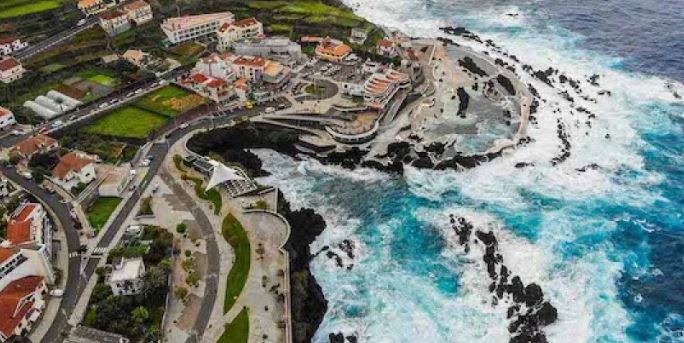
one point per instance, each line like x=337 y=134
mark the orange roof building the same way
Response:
x=35 y=144
x=72 y=165
x=21 y=303
x=332 y=50
x=26 y=224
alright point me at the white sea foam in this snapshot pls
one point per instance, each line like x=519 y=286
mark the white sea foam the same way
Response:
x=400 y=306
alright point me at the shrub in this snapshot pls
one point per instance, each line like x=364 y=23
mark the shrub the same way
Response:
x=181 y=228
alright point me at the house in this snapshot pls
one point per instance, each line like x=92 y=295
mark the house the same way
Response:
x=74 y=168
x=21 y=304
x=6 y=187
x=275 y=73
x=6 y=119
x=217 y=65
x=250 y=68
x=127 y=277
x=115 y=22
x=332 y=50
x=84 y=334
x=272 y=47
x=214 y=88
x=180 y=29
x=89 y=7
x=39 y=143
x=115 y=181
x=26 y=225
x=358 y=36
x=135 y=57
x=10 y=70
x=9 y=45
x=231 y=32
x=138 y=12
x=17 y=263
x=387 y=48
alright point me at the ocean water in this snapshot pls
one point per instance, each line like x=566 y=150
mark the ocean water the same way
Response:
x=605 y=244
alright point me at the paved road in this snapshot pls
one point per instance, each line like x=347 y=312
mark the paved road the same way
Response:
x=73 y=279
x=38 y=47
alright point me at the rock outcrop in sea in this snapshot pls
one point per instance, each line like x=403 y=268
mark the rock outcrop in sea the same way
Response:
x=528 y=312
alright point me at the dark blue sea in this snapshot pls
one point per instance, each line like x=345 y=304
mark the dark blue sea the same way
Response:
x=605 y=243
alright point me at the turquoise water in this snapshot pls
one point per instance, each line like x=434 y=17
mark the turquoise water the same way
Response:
x=606 y=244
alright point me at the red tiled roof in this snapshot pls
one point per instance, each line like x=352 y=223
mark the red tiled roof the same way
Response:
x=26 y=211
x=10 y=299
x=135 y=5
x=246 y=22
x=112 y=15
x=33 y=144
x=385 y=43
x=72 y=161
x=19 y=232
x=7 y=40
x=199 y=78
x=254 y=61
x=9 y=63
x=4 y=112
x=6 y=253
x=215 y=83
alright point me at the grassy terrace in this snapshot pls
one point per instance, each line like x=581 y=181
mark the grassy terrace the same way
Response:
x=237 y=331
x=236 y=236
x=99 y=212
x=17 y=8
x=169 y=101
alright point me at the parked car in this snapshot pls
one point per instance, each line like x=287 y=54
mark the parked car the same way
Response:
x=57 y=123
x=16 y=133
x=269 y=110
x=57 y=292
x=27 y=175
x=81 y=22
x=184 y=126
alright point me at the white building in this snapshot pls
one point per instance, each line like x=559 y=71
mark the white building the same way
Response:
x=358 y=36
x=387 y=48
x=272 y=47
x=10 y=70
x=115 y=181
x=115 y=22
x=127 y=277
x=74 y=168
x=89 y=7
x=217 y=65
x=21 y=305
x=379 y=88
x=181 y=29
x=231 y=32
x=17 y=263
x=9 y=45
x=138 y=12
x=6 y=118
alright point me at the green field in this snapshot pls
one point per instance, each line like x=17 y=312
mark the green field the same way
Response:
x=160 y=101
x=306 y=8
x=237 y=331
x=128 y=122
x=104 y=80
x=16 y=8
x=236 y=236
x=99 y=212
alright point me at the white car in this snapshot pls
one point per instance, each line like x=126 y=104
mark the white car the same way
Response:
x=57 y=124
x=184 y=126
x=145 y=162
x=81 y=22
x=16 y=133
x=57 y=292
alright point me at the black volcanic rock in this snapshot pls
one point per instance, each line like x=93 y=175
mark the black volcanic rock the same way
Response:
x=463 y=100
x=506 y=84
x=471 y=66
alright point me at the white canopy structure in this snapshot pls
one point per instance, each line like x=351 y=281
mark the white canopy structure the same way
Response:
x=222 y=174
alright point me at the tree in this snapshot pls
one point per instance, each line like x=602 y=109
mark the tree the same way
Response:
x=181 y=227
x=140 y=314
x=156 y=282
